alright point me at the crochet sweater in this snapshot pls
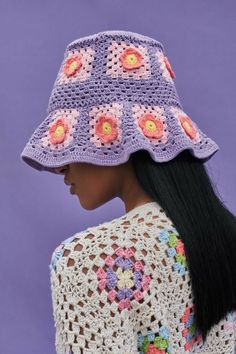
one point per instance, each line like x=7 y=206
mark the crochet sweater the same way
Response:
x=123 y=287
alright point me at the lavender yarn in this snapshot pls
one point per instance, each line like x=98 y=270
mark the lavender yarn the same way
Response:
x=114 y=94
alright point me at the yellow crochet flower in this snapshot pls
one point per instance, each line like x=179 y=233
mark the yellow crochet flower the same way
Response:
x=124 y=279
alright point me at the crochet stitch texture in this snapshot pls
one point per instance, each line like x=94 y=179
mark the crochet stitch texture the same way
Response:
x=114 y=94
x=123 y=287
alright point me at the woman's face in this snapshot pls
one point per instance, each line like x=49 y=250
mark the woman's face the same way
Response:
x=93 y=184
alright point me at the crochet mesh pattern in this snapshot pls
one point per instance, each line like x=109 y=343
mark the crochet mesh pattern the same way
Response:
x=124 y=287
x=114 y=94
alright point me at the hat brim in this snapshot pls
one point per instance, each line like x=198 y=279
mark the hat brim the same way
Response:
x=82 y=148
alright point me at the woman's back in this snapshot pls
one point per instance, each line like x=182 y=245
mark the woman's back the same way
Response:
x=124 y=287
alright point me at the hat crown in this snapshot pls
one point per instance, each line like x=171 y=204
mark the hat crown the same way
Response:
x=104 y=77
x=115 y=34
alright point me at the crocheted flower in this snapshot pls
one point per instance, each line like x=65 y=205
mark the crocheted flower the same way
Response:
x=72 y=65
x=58 y=252
x=171 y=251
x=163 y=235
x=153 y=350
x=175 y=249
x=152 y=126
x=128 y=61
x=105 y=124
x=188 y=126
x=138 y=265
x=190 y=332
x=155 y=342
x=76 y=66
x=126 y=253
x=131 y=58
x=180 y=247
x=101 y=274
x=151 y=122
x=168 y=67
x=58 y=130
x=173 y=240
x=165 y=67
x=59 y=133
x=109 y=261
x=106 y=128
x=123 y=276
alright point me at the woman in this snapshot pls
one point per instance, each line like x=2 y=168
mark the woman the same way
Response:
x=162 y=277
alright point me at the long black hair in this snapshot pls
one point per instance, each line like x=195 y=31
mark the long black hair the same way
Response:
x=184 y=190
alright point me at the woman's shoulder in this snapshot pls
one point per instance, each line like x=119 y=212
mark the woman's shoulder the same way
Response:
x=145 y=232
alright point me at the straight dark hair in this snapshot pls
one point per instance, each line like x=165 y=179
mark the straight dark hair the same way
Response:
x=184 y=190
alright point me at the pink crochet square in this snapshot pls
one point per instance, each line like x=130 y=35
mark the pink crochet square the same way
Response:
x=69 y=117
x=115 y=68
x=86 y=57
x=158 y=116
x=179 y=113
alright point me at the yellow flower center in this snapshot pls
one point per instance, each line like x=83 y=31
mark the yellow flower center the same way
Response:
x=59 y=131
x=187 y=126
x=131 y=59
x=150 y=125
x=124 y=277
x=106 y=128
x=73 y=66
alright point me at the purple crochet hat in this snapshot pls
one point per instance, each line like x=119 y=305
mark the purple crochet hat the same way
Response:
x=114 y=94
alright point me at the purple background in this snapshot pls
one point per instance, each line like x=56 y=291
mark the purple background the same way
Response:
x=37 y=211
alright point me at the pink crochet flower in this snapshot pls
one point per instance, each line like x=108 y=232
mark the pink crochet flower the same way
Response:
x=152 y=127
x=131 y=58
x=185 y=332
x=180 y=247
x=186 y=315
x=197 y=337
x=138 y=265
x=188 y=126
x=106 y=128
x=72 y=65
x=189 y=344
x=57 y=131
x=145 y=282
x=124 y=304
x=121 y=252
x=109 y=261
x=138 y=295
x=101 y=274
x=153 y=350
x=112 y=295
x=168 y=67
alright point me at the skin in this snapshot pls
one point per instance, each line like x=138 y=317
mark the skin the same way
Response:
x=96 y=185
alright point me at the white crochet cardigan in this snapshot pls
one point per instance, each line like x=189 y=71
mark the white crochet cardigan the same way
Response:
x=123 y=287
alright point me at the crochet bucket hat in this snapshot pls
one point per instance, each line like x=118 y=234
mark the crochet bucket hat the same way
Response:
x=114 y=94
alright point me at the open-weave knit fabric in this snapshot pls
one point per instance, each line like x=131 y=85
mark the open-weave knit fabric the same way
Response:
x=114 y=94
x=123 y=287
